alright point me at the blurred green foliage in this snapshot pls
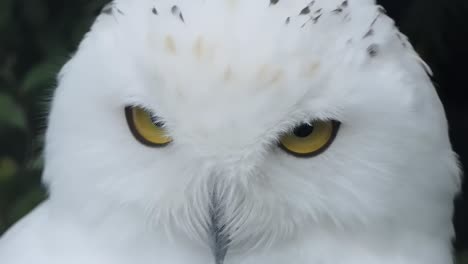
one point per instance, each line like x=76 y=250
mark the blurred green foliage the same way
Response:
x=37 y=37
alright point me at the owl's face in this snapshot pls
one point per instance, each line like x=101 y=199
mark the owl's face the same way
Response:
x=281 y=117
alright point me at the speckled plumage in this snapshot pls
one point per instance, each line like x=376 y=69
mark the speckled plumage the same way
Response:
x=228 y=78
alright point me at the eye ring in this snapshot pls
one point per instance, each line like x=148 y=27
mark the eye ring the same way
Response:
x=146 y=128
x=303 y=142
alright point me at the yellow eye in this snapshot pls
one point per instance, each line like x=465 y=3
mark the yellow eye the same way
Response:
x=307 y=140
x=146 y=128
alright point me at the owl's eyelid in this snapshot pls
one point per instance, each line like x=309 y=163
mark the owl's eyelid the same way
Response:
x=150 y=110
x=311 y=122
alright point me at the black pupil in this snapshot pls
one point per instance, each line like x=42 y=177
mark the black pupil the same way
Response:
x=303 y=130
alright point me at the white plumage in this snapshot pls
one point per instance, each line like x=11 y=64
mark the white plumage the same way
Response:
x=226 y=80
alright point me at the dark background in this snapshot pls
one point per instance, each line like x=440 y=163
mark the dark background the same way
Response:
x=37 y=37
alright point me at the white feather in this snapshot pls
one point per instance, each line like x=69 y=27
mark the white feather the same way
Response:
x=228 y=79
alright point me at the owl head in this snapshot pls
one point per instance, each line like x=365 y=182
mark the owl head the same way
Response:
x=275 y=118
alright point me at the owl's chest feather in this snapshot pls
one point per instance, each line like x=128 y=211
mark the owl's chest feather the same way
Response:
x=54 y=241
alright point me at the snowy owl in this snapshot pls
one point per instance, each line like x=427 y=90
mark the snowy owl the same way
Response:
x=243 y=132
